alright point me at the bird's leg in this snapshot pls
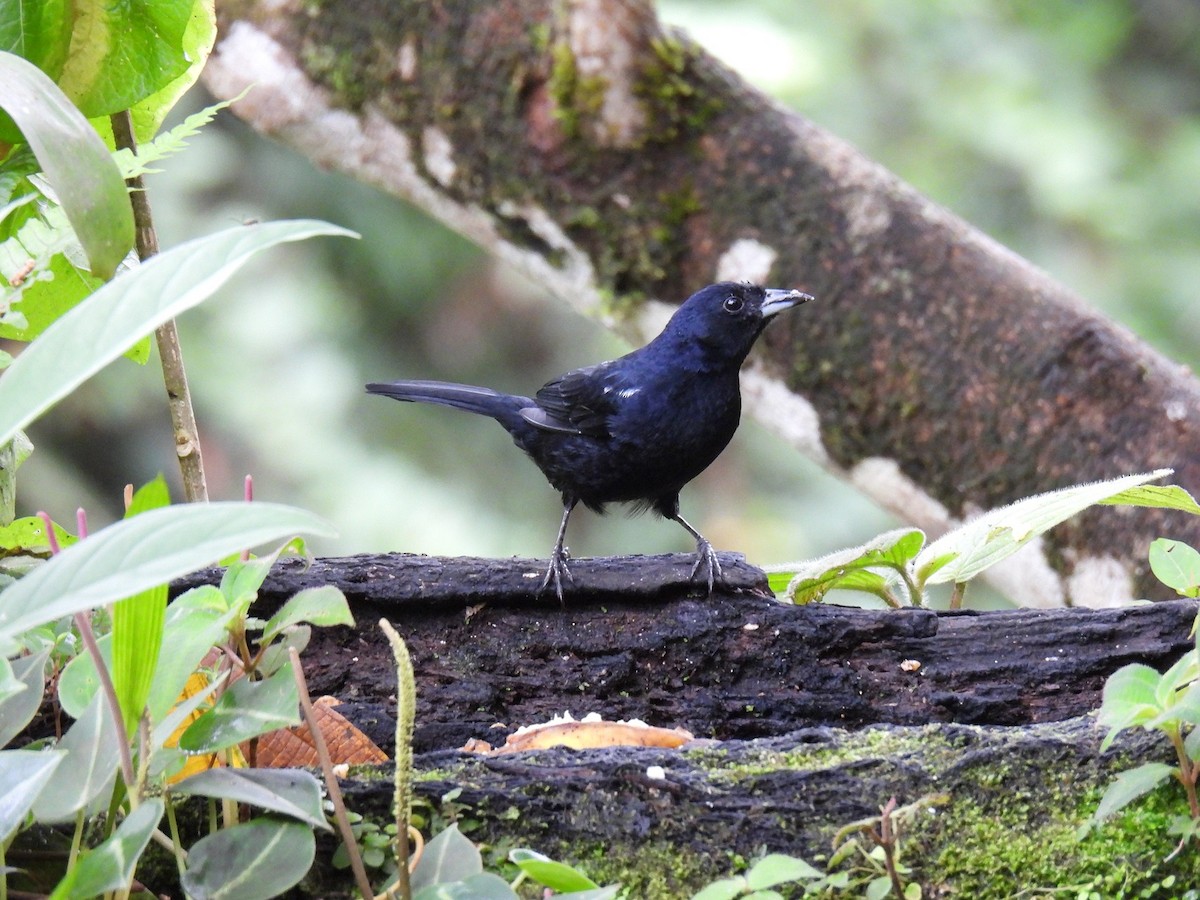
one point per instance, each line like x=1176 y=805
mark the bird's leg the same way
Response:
x=706 y=556
x=558 y=559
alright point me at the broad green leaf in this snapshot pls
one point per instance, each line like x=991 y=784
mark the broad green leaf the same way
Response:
x=37 y=30
x=110 y=866
x=75 y=161
x=277 y=654
x=1182 y=673
x=246 y=710
x=253 y=861
x=104 y=325
x=601 y=893
x=23 y=774
x=137 y=624
x=725 y=889
x=1130 y=785
x=1128 y=699
x=484 y=886
x=124 y=52
x=10 y=687
x=91 y=766
x=29 y=534
x=138 y=553
x=17 y=710
x=557 y=876
x=999 y=533
x=778 y=868
x=778 y=581
x=449 y=857
x=1157 y=496
x=323 y=606
x=853 y=568
x=293 y=792
x=53 y=286
x=1176 y=565
x=878 y=888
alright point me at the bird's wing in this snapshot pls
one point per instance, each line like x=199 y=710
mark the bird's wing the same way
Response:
x=580 y=402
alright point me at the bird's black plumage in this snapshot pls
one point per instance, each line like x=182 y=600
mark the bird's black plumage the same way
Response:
x=638 y=428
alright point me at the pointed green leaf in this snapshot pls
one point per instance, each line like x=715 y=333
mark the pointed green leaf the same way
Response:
x=1176 y=565
x=74 y=160
x=449 y=857
x=104 y=325
x=323 y=606
x=109 y=867
x=853 y=568
x=29 y=534
x=138 y=553
x=1130 y=785
x=777 y=868
x=1129 y=699
x=17 y=710
x=23 y=775
x=137 y=625
x=1157 y=496
x=293 y=792
x=557 y=876
x=999 y=533
x=248 y=709
x=91 y=766
x=253 y=861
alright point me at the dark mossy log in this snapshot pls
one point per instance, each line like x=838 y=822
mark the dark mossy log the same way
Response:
x=636 y=638
x=1003 y=807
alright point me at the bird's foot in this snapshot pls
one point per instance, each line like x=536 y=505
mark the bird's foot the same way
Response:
x=556 y=573
x=706 y=563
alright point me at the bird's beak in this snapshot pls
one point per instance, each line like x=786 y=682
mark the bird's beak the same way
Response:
x=777 y=301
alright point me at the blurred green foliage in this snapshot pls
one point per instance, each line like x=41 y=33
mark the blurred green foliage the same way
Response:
x=1069 y=131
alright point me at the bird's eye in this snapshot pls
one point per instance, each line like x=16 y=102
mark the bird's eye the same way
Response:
x=733 y=304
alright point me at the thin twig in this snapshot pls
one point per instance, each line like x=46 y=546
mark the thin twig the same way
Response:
x=179 y=398
x=331 y=784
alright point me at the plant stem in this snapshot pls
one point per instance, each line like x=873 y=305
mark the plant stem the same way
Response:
x=179 y=397
x=406 y=706
x=1188 y=772
x=331 y=783
x=956 y=598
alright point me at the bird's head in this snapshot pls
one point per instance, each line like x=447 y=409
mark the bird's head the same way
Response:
x=725 y=319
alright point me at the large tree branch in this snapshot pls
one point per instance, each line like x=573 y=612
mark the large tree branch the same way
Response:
x=613 y=160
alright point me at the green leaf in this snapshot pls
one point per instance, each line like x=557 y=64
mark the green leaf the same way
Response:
x=1156 y=496
x=557 y=876
x=39 y=31
x=138 y=553
x=1130 y=785
x=725 y=889
x=104 y=325
x=778 y=581
x=322 y=606
x=878 y=888
x=124 y=52
x=246 y=710
x=449 y=857
x=1176 y=565
x=999 y=533
x=137 y=625
x=29 y=534
x=484 y=886
x=92 y=760
x=75 y=161
x=253 y=861
x=847 y=569
x=23 y=774
x=18 y=709
x=168 y=143
x=110 y=866
x=777 y=868
x=1129 y=699
x=293 y=792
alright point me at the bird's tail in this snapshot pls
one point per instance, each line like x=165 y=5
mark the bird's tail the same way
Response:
x=504 y=408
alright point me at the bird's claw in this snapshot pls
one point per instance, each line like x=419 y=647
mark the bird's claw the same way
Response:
x=706 y=558
x=556 y=572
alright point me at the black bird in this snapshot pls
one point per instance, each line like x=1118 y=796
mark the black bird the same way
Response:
x=635 y=429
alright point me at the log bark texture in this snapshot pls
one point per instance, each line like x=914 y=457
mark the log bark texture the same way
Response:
x=614 y=161
x=808 y=719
